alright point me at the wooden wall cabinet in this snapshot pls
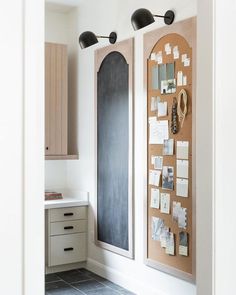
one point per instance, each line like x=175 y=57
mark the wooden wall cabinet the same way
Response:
x=56 y=102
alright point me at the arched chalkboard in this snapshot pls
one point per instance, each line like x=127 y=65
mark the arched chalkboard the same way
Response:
x=113 y=151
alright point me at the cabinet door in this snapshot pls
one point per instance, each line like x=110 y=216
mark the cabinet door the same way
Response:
x=56 y=99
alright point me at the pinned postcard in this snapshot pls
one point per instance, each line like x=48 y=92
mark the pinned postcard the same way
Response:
x=183 y=243
x=168 y=147
x=182 y=187
x=182 y=150
x=157 y=226
x=162 y=109
x=170 y=243
x=165 y=203
x=155 y=198
x=157 y=161
x=168 y=177
x=163 y=236
x=168 y=49
x=182 y=168
x=154 y=177
x=176 y=52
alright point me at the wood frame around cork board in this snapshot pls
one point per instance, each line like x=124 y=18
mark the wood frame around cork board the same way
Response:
x=182 y=34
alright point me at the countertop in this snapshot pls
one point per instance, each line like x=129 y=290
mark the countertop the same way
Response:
x=71 y=198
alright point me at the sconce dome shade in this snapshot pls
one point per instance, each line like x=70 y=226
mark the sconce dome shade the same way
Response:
x=87 y=39
x=141 y=18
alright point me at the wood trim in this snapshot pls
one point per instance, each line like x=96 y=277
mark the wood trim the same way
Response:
x=62 y=157
x=187 y=29
x=126 y=48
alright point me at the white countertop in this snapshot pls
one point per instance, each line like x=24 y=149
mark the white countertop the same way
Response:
x=71 y=198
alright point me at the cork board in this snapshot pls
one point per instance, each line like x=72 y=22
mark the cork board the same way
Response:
x=182 y=35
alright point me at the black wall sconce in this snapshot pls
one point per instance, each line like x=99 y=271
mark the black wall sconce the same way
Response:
x=87 y=39
x=143 y=17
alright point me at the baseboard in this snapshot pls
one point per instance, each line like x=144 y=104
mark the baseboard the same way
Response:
x=119 y=278
x=65 y=267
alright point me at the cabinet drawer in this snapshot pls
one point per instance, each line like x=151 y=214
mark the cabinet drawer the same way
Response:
x=67 y=249
x=64 y=214
x=68 y=227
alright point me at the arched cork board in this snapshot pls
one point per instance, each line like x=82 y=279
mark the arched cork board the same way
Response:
x=114 y=95
x=181 y=34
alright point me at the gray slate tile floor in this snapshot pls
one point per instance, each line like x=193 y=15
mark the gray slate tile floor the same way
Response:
x=81 y=282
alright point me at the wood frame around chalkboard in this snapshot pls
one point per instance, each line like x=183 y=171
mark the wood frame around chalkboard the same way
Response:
x=186 y=29
x=126 y=48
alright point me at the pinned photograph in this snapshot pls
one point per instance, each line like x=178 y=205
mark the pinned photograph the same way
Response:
x=168 y=86
x=175 y=211
x=168 y=147
x=168 y=177
x=157 y=227
x=183 y=243
x=155 y=198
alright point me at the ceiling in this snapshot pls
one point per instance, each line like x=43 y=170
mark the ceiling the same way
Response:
x=62 y=6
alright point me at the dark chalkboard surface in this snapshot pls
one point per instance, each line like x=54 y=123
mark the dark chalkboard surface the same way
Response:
x=113 y=151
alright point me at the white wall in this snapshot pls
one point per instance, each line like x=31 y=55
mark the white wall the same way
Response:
x=21 y=147
x=102 y=17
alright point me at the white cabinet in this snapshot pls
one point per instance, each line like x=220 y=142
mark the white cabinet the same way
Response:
x=66 y=235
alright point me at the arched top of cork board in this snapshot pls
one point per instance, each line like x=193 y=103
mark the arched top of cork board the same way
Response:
x=183 y=35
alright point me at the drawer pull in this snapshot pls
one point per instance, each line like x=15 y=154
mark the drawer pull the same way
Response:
x=68 y=249
x=68 y=214
x=68 y=227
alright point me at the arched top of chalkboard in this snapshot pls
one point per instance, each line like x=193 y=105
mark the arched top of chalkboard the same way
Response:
x=109 y=59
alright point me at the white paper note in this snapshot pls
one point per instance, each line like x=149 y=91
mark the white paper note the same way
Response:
x=187 y=62
x=154 y=101
x=154 y=177
x=162 y=109
x=159 y=57
x=168 y=49
x=157 y=161
x=153 y=56
x=165 y=203
x=182 y=187
x=184 y=57
x=182 y=150
x=155 y=198
x=170 y=244
x=180 y=78
x=185 y=81
x=182 y=168
x=158 y=131
x=176 y=52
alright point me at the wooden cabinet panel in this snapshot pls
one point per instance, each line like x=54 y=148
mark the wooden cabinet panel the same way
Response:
x=56 y=99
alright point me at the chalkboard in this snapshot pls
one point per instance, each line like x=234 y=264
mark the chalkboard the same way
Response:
x=113 y=152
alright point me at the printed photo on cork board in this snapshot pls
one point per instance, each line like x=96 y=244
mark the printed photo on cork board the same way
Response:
x=169 y=73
